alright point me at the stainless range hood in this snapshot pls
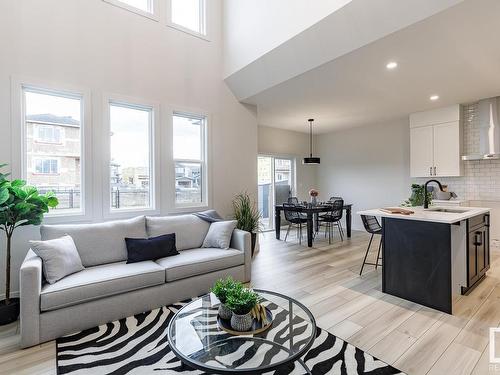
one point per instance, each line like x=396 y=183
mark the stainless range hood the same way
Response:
x=489 y=130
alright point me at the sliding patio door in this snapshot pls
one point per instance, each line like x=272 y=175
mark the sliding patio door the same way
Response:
x=276 y=182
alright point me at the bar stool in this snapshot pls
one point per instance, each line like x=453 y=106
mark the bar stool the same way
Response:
x=372 y=226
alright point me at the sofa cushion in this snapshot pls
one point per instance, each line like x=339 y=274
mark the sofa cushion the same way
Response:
x=141 y=249
x=195 y=262
x=99 y=243
x=100 y=281
x=60 y=257
x=190 y=231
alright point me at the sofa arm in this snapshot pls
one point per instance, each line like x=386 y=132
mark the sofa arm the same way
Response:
x=240 y=240
x=30 y=282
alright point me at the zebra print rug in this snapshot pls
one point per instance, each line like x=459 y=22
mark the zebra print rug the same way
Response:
x=138 y=345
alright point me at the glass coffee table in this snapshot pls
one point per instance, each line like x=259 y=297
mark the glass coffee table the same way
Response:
x=196 y=339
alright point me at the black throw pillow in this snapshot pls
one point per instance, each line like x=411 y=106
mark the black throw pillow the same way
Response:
x=141 y=249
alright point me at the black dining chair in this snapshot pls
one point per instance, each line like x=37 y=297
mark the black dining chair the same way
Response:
x=332 y=218
x=294 y=218
x=332 y=199
x=295 y=201
x=372 y=226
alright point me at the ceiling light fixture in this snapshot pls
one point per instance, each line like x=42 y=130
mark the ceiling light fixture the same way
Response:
x=311 y=159
x=434 y=97
x=392 y=65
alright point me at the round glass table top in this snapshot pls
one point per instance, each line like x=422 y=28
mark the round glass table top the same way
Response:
x=196 y=338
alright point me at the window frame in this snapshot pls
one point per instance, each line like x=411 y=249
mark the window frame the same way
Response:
x=18 y=134
x=204 y=24
x=206 y=179
x=154 y=147
x=153 y=15
x=41 y=158
x=39 y=139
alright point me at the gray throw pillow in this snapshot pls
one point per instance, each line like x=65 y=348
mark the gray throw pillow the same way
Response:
x=60 y=257
x=219 y=234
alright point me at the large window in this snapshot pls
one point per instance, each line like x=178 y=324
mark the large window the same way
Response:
x=189 y=15
x=49 y=163
x=189 y=159
x=131 y=156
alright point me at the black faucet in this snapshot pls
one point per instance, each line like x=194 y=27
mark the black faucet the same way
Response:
x=426 y=201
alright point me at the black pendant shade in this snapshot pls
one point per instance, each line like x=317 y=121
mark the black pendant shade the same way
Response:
x=311 y=159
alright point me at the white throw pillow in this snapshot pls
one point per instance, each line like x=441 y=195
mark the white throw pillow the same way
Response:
x=219 y=234
x=60 y=257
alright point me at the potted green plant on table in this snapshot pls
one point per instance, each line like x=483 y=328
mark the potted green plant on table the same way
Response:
x=241 y=302
x=247 y=215
x=20 y=205
x=222 y=289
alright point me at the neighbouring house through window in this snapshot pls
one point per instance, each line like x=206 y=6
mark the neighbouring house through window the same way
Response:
x=52 y=144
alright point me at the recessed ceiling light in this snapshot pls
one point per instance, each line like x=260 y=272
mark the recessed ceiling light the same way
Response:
x=392 y=65
x=434 y=97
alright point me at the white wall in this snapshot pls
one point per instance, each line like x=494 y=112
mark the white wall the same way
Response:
x=253 y=28
x=367 y=166
x=104 y=48
x=279 y=142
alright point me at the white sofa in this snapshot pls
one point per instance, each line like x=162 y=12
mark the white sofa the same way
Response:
x=109 y=289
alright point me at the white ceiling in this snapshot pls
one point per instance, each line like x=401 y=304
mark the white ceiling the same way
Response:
x=455 y=54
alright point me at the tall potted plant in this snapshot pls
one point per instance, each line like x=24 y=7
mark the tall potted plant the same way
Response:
x=20 y=205
x=247 y=215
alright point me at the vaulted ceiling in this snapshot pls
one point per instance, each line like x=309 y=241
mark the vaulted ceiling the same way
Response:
x=336 y=72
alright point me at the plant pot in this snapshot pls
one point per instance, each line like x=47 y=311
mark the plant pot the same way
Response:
x=253 y=239
x=9 y=313
x=224 y=312
x=241 y=323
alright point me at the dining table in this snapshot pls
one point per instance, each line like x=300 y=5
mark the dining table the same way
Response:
x=312 y=211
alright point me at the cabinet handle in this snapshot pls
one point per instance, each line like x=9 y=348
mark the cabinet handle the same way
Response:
x=435 y=171
x=430 y=171
x=478 y=239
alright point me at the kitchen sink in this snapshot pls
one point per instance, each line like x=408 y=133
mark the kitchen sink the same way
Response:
x=448 y=210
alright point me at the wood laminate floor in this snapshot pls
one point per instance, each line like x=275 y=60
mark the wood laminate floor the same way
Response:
x=415 y=339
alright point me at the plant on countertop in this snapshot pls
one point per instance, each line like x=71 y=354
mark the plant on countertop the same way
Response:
x=246 y=213
x=20 y=205
x=224 y=287
x=242 y=301
x=417 y=196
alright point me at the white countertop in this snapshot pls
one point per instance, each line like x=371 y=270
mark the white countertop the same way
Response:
x=429 y=215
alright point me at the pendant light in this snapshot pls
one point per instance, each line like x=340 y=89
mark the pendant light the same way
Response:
x=311 y=159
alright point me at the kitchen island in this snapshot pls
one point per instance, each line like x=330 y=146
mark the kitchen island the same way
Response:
x=435 y=254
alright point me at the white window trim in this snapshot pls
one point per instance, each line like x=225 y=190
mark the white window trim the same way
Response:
x=155 y=15
x=18 y=134
x=154 y=141
x=169 y=181
x=36 y=158
x=37 y=138
x=204 y=21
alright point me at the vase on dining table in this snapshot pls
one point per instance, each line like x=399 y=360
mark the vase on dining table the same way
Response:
x=314 y=200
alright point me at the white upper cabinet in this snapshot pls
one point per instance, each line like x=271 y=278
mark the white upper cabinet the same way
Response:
x=421 y=151
x=436 y=143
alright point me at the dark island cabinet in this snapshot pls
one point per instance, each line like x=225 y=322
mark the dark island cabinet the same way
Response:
x=478 y=250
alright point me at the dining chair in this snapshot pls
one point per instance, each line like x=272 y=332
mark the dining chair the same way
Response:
x=372 y=226
x=333 y=199
x=295 y=201
x=294 y=218
x=332 y=218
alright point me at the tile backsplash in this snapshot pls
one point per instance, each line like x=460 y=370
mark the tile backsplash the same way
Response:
x=481 y=179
